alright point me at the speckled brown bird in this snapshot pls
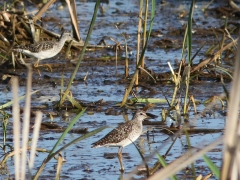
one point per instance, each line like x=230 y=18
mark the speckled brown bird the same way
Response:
x=123 y=135
x=44 y=49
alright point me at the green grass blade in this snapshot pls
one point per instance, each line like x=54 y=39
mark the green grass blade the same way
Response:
x=189 y=34
x=143 y=159
x=148 y=100
x=212 y=166
x=190 y=147
x=79 y=139
x=66 y=131
x=226 y=71
x=11 y=102
x=164 y=164
x=64 y=147
x=4 y=57
x=82 y=52
x=74 y=102
x=128 y=90
x=149 y=32
x=184 y=41
x=197 y=52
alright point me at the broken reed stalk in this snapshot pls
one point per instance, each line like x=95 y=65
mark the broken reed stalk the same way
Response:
x=82 y=53
x=223 y=38
x=42 y=10
x=59 y=166
x=194 y=103
x=144 y=30
x=73 y=14
x=177 y=80
x=186 y=79
x=139 y=38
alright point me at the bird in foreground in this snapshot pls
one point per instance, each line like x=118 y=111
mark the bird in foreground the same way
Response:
x=44 y=49
x=123 y=135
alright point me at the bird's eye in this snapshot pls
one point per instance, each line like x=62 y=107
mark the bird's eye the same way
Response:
x=141 y=113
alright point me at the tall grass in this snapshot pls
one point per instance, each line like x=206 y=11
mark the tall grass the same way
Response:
x=145 y=28
x=230 y=141
x=139 y=37
x=231 y=163
x=21 y=148
x=20 y=161
x=53 y=153
x=231 y=146
x=16 y=131
x=26 y=122
x=189 y=47
x=82 y=53
x=129 y=88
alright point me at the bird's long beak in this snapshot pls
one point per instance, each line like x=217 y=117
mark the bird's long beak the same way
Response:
x=147 y=117
x=150 y=116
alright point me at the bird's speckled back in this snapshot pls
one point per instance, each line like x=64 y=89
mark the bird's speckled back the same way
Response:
x=125 y=133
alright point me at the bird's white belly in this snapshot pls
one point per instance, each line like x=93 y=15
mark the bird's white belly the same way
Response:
x=40 y=55
x=131 y=138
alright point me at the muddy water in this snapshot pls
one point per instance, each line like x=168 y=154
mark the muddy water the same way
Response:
x=83 y=162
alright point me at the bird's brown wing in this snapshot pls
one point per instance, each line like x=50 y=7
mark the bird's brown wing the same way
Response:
x=116 y=135
x=37 y=47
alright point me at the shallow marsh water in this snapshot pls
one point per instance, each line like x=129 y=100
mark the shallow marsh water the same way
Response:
x=83 y=162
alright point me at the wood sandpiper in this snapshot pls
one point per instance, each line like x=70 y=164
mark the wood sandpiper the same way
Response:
x=45 y=49
x=123 y=135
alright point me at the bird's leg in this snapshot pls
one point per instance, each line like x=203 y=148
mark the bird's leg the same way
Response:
x=120 y=158
x=47 y=65
x=36 y=65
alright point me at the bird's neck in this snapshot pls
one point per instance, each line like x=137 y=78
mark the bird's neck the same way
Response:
x=62 y=41
x=138 y=123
